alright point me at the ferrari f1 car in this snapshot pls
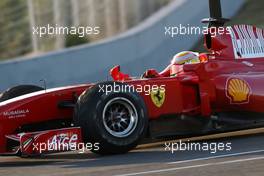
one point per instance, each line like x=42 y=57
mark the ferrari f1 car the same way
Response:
x=222 y=92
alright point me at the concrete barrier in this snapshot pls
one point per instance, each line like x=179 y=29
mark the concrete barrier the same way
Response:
x=144 y=46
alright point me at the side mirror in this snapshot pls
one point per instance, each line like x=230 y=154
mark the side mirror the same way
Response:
x=117 y=75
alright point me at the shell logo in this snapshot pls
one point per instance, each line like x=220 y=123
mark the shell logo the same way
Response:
x=238 y=91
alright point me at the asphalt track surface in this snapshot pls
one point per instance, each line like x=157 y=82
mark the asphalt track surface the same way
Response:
x=246 y=158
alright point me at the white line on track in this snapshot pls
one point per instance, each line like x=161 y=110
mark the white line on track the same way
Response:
x=201 y=165
x=217 y=156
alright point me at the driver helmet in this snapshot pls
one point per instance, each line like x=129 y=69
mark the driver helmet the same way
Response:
x=186 y=57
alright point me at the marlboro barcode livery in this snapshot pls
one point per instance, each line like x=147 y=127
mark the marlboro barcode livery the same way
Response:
x=248 y=41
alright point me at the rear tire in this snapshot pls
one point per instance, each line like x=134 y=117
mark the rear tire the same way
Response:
x=18 y=91
x=117 y=120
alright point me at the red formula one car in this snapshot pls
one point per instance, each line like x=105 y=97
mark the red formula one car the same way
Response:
x=222 y=92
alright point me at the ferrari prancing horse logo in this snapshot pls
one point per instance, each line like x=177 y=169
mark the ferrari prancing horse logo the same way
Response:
x=238 y=91
x=158 y=97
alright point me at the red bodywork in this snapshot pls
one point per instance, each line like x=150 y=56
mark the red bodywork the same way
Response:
x=231 y=80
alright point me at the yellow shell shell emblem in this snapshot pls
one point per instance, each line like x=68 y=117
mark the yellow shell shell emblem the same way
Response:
x=158 y=97
x=238 y=91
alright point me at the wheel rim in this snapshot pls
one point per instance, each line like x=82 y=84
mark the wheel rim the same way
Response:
x=120 y=117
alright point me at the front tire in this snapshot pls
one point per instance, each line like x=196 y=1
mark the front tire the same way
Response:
x=117 y=121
